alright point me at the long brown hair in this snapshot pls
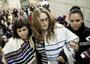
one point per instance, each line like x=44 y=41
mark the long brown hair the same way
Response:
x=37 y=30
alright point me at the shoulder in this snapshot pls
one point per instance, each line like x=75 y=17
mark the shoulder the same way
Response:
x=8 y=46
x=87 y=29
x=14 y=40
x=60 y=27
x=12 y=45
x=58 y=24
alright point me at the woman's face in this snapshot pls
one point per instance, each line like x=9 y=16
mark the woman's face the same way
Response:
x=23 y=32
x=44 y=21
x=75 y=21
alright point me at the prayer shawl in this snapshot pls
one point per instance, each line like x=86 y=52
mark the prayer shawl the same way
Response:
x=16 y=51
x=60 y=41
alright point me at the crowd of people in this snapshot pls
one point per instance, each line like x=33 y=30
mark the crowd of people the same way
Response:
x=35 y=36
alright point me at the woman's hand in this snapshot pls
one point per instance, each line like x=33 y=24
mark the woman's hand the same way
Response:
x=61 y=59
x=74 y=45
x=88 y=38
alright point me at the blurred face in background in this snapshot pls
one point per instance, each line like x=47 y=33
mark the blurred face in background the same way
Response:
x=75 y=21
x=44 y=21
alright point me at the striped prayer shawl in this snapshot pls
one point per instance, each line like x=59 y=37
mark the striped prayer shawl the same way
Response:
x=24 y=55
x=41 y=50
x=54 y=46
x=53 y=50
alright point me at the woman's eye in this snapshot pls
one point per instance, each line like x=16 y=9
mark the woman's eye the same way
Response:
x=72 y=20
x=77 y=20
x=18 y=30
x=24 y=29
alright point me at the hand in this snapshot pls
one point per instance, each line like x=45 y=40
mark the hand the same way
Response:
x=74 y=45
x=61 y=59
x=88 y=38
x=5 y=38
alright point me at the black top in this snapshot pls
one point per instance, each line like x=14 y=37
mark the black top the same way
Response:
x=82 y=32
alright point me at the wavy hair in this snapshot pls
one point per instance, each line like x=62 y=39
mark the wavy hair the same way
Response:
x=37 y=30
x=19 y=23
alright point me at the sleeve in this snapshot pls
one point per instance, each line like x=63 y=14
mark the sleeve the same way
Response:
x=41 y=55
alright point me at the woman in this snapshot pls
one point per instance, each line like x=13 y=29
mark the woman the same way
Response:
x=51 y=38
x=77 y=26
x=20 y=48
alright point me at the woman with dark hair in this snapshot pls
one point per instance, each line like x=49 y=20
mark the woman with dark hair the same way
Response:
x=77 y=26
x=52 y=37
x=20 y=48
x=62 y=20
x=75 y=8
x=15 y=13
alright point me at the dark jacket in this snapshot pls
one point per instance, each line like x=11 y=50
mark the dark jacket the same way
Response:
x=87 y=54
x=82 y=32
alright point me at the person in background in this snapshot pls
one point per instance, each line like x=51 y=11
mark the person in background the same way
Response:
x=2 y=42
x=3 y=29
x=3 y=32
x=32 y=7
x=44 y=4
x=62 y=20
x=1 y=16
x=15 y=14
x=77 y=26
x=20 y=48
x=22 y=14
x=51 y=38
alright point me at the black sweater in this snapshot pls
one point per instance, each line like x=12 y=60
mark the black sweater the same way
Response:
x=82 y=32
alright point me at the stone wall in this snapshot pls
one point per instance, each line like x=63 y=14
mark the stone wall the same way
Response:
x=62 y=7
